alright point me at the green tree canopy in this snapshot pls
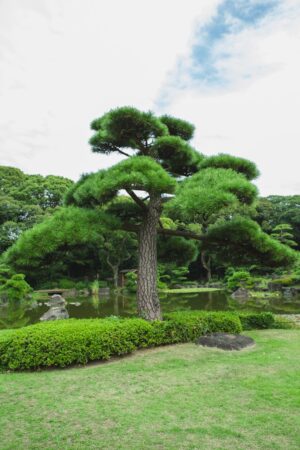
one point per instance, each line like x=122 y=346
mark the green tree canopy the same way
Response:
x=163 y=173
x=283 y=233
x=241 y=241
x=164 y=176
x=25 y=200
x=276 y=209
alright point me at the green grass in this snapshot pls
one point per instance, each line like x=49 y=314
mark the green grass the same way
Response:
x=189 y=290
x=175 y=397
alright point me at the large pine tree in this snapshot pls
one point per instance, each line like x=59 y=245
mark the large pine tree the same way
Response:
x=163 y=172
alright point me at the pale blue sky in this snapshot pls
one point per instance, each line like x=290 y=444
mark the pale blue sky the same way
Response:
x=230 y=67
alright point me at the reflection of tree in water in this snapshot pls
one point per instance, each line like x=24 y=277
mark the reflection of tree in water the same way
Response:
x=123 y=304
x=210 y=301
x=178 y=303
x=95 y=300
x=278 y=305
x=116 y=303
x=13 y=315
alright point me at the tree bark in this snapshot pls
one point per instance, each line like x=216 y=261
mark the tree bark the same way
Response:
x=115 y=271
x=147 y=296
x=206 y=265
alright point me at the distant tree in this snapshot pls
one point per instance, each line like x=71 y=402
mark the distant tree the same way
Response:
x=117 y=248
x=275 y=210
x=283 y=233
x=25 y=200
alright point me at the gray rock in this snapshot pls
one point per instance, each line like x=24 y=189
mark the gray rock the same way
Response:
x=241 y=293
x=226 y=341
x=292 y=291
x=33 y=304
x=56 y=300
x=274 y=287
x=55 y=313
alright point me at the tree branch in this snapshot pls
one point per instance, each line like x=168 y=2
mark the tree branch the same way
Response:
x=137 y=200
x=113 y=266
x=167 y=232
x=123 y=153
x=181 y=233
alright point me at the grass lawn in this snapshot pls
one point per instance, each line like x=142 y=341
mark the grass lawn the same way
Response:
x=175 y=397
x=189 y=290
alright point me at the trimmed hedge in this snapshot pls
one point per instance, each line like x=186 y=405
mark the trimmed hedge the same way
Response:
x=257 y=321
x=189 y=325
x=65 y=342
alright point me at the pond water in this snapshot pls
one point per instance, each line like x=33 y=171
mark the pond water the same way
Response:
x=15 y=315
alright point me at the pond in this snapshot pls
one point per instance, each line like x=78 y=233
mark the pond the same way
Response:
x=16 y=315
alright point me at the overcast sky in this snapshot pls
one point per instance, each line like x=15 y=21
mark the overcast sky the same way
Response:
x=230 y=67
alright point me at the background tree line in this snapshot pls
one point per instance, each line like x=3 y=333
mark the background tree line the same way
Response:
x=26 y=200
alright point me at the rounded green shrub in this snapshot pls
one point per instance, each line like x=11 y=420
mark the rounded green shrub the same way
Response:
x=16 y=287
x=258 y=321
x=191 y=324
x=239 y=279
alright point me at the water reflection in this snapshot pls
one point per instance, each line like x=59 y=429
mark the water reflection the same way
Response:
x=13 y=314
x=19 y=314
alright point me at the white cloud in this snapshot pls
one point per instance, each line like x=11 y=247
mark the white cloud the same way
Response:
x=64 y=62
x=256 y=115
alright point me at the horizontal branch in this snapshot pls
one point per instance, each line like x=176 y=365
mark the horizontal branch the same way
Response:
x=167 y=232
x=181 y=233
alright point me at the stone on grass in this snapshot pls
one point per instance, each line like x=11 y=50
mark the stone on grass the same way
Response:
x=225 y=341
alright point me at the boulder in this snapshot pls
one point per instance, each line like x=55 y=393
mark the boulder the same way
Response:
x=292 y=291
x=274 y=287
x=33 y=304
x=241 y=293
x=225 y=341
x=56 y=300
x=55 y=313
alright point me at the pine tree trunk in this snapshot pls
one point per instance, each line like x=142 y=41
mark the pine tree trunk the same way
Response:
x=115 y=270
x=206 y=265
x=147 y=296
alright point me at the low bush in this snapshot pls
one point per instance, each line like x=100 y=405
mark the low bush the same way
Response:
x=257 y=321
x=65 y=342
x=240 y=279
x=190 y=324
x=283 y=323
x=285 y=281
